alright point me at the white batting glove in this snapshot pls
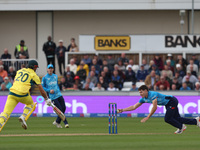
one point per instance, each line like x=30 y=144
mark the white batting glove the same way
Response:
x=48 y=102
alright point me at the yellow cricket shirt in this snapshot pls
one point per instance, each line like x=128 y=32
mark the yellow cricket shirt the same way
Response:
x=23 y=80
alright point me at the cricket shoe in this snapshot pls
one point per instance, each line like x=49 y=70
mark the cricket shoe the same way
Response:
x=67 y=126
x=179 y=131
x=23 y=122
x=198 y=121
x=57 y=124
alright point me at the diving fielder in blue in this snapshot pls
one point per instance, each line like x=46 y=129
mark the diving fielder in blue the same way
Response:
x=170 y=102
x=50 y=85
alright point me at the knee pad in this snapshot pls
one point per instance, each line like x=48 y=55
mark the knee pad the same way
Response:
x=30 y=111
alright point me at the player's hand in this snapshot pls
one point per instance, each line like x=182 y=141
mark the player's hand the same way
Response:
x=48 y=102
x=51 y=91
x=119 y=110
x=144 y=119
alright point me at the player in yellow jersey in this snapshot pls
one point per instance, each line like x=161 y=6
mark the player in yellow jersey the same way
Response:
x=19 y=92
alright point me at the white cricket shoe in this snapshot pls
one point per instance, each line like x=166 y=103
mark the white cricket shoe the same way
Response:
x=67 y=126
x=23 y=122
x=198 y=121
x=179 y=131
x=57 y=124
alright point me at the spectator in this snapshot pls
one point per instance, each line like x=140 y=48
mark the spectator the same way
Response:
x=72 y=66
x=87 y=87
x=95 y=71
x=4 y=65
x=130 y=74
x=189 y=84
x=76 y=60
x=71 y=41
x=60 y=52
x=107 y=75
x=3 y=73
x=3 y=88
x=49 y=48
x=22 y=54
x=75 y=87
x=1 y=80
x=183 y=62
x=92 y=77
x=11 y=73
x=173 y=87
x=144 y=63
x=197 y=86
x=105 y=64
x=77 y=82
x=158 y=62
x=87 y=60
x=196 y=61
x=167 y=78
x=172 y=62
x=7 y=83
x=180 y=70
x=162 y=84
x=97 y=67
x=195 y=67
x=124 y=59
x=120 y=73
x=111 y=62
x=6 y=55
x=179 y=78
x=167 y=71
x=175 y=82
x=85 y=66
x=121 y=67
x=141 y=74
x=154 y=68
x=192 y=78
x=98 y=87
x=135 y=68
x=117 y=80
x=111 y=87
x=103 y=83
x=192 y=71
x=150 y=80
x=91 y=84
x=81 y=73
x=21 y=47
x=63 y=84
x=99 y=61
x=168 y=63
x=185 y=87
x=69 y=80
x=68 y=70
x=74 y=48
x=134 y=88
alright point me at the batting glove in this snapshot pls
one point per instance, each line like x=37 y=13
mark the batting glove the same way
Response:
x=48 y=102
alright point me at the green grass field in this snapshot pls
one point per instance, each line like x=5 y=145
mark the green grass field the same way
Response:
x=92 y=134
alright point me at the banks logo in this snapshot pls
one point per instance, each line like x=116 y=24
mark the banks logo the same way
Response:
x=112 y=43
x=182 y=41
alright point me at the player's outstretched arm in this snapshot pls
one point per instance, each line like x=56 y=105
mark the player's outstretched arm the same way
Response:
x=154 y=108
x=130 y=108
x=44 y=94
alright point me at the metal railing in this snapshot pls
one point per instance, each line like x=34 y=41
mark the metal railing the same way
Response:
x=16 y=63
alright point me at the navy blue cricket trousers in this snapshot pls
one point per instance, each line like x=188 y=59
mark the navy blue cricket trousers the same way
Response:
x=172 y=115
x=60 y=103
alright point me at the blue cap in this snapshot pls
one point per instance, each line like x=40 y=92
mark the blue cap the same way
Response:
x=50 y=66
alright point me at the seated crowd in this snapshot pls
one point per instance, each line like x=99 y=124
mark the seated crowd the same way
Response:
x=109 y=74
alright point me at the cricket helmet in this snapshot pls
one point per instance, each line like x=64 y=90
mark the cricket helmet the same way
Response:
x=33 y=64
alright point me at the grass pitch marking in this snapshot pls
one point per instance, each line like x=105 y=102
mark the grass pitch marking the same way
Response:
x=80 y=134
